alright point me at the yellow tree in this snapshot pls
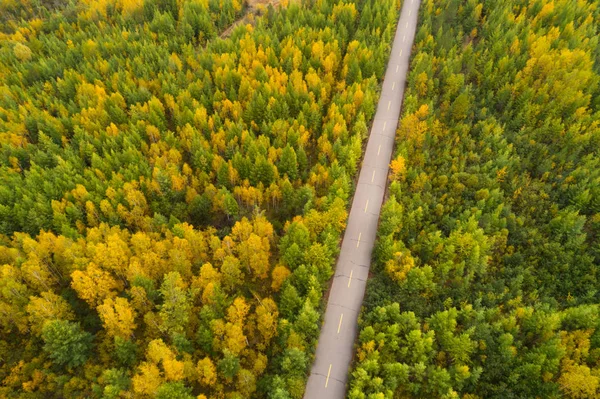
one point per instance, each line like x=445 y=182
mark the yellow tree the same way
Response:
x=235 y=340
x=22 y=52
x=246 y=383
x=399 y=266
x=138 y=207
x=48 y=306
x=147 y=380
x=159 y=352
x=208 y=274
x=207 y=372
x=13 y=298
x=398 y=168
x=266 y=320
x=94 y=285
x=237 y=312
x=233 y=276
x=114 y=254
x=36 y=274
x=254 y=254
x=118 y=317
x=180 y=257
x=577 y=380
x=279 y=274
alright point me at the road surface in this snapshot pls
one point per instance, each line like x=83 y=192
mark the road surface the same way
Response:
x=329 y=372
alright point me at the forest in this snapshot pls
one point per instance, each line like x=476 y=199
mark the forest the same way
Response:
x=172 y=201
x=485 y=272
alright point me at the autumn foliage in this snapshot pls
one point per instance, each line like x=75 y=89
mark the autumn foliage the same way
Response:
x=171 y=202
x=486 y=264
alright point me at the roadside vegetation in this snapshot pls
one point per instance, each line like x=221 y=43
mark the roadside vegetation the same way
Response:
x=171 y=203
x=486 y=266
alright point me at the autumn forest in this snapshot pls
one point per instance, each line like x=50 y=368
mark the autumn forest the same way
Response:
x=171 y=202
x=486 y=280
x=176 y=177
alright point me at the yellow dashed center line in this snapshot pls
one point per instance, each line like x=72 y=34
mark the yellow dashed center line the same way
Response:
x=373 y=177
x=397 y=67
x=350 y=279
x=366 y=206
x=400 y=52
x=358 y=242
x=340 y=324
x=404 y=38
x=389 y=104
x=327 y=380
x=384 y=124
x=393 y=85
x=379 y=149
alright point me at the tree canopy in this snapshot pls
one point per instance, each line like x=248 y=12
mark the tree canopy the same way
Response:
x=171 y=202
x=486 y=264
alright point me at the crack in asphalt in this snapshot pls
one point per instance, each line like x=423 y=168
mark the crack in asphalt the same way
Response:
x=330 y=377
x=345 y=307
x=353 y=278
x=371 y=184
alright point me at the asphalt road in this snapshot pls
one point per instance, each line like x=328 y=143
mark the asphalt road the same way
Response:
x=329 y=373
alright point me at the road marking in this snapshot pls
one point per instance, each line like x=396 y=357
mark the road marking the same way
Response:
x=406 y=24
x=409 y=12
x=389 y=104
x=358 y=242
x=373 y=177
x=350 y=279
x=393 y=86
x=379 y=149
x=397 y=66
x=327 y=380
x=384 y=123
x=404 y=38
x=366 y=206
x=400 y=53
x=340 y=325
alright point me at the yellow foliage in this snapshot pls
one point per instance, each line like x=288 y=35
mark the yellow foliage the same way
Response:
x=398 y=168
x=157 y=351
x=173 y=369
x=260 y=364
x=47 y=307
x=208 y=293
x=147 y=380
x=238 y=311
x=94 y=285
x=278 y=276
x=22 y=52
x=266 y=319
x=422 y=84
x=129 y=7
x=207 y=372
x=578 y=382
x=235 y=340
x=118 y=317
x=399 y=266
x=208 y=274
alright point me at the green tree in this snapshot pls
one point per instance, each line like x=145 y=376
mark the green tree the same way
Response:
x=66 y=343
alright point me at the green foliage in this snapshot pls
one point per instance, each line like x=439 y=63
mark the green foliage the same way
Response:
x=174 y=390
x=125 y=352
x=180 y=194
x=486 y=262
x=229 y=365
x=66 y=343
